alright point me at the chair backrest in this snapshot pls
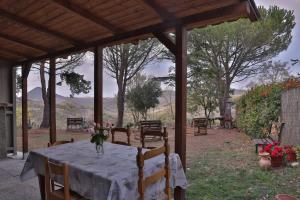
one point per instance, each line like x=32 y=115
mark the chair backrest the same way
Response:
x=150 y=132
x=52 y=169
x=277 y=137
x=151 y=125
x=60 y=142
x=164 y=172
x=199 y=122
x=120 y=130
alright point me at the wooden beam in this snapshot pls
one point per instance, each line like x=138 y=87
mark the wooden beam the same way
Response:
x=210 y=17
x=98 y=85
x=87 y=15
x=165 y=40
x=24 y=43
x=38 y=27
x=52 y=100
x=160 y=11
x=180 y=100
x=14 y=52
x=25 y=73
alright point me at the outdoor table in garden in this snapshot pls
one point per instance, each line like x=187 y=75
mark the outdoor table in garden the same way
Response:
x=113 y=175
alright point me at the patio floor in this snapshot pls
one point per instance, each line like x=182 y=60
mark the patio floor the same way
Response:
x=11 y=188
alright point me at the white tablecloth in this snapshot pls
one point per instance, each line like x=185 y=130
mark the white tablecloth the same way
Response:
x=112 y=176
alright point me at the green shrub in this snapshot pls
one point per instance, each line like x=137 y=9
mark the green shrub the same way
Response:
x=257 y=108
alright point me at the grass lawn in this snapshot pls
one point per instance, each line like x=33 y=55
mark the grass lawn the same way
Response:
x=231 y=172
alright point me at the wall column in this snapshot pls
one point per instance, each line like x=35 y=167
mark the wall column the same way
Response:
x=52 y=100
x=25 y=73
x=98 y=85
x=180 y=100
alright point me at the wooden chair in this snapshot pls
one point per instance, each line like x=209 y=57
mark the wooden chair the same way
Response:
x=53 y=169
x=201 y=125
x=60 y=142
x=120 y=130
x=164 y=172
x=154 y=133
x=268 y=139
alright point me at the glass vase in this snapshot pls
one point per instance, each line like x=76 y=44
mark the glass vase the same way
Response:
x=100 y=148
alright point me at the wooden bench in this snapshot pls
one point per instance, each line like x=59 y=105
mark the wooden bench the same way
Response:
x=269 y=139
x=75 y=122
x=151 y=125
x=201 y=125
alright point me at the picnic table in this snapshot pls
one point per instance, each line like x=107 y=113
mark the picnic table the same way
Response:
x=112 y=176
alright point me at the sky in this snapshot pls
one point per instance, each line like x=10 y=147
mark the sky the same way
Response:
x=160 y=68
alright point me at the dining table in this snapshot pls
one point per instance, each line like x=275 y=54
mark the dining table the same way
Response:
x=112 y=175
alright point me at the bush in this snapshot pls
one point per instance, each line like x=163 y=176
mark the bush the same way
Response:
x=257 y=108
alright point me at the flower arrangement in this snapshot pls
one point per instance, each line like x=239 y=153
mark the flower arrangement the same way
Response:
x=290 y=154
x=276 y=152
x=297 y=151
x=99 y=135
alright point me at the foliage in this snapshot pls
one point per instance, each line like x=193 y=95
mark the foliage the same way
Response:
x=65 y=70
x=274 y=72
x=124 y=61
x=100 y=134
x=237 y=50
x=257 y=108
x=142 y=97
x=202 y=94
x=76 y=82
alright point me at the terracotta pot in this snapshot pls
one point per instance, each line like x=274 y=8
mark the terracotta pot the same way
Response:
x=264 y=161
x=291 y=157
x=277 y=161
x=285 y=197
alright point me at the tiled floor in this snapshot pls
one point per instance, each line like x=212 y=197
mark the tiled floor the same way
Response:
x=11 y=188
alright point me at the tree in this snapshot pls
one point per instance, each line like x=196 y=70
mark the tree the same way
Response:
x=142 y=97
x=236 y=51
x=65 y=73
x=124 y=61
x=202 y=94
x=274 y=72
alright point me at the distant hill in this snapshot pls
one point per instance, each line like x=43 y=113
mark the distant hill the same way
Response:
x=36 y=95
x=87 y=102
x=83 y=107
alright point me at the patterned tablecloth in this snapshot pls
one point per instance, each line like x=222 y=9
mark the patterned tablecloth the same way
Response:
x=112 y=176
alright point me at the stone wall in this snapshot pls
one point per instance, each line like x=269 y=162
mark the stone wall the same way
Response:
x=290 y=115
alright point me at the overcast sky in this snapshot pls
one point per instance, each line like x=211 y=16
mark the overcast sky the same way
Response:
x=161 y=68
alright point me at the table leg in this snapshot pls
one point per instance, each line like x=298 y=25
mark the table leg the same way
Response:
x=42 y=186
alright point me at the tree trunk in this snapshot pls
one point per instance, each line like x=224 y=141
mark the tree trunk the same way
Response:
x=121 y=106
x=45 y=96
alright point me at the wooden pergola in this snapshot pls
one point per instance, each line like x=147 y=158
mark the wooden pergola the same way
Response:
x=35 y=30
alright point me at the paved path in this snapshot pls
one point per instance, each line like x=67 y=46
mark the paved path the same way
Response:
x=11 y=188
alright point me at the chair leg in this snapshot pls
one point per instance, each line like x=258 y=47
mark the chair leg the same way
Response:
x=256 y=148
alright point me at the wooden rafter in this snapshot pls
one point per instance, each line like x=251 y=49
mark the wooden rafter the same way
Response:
x=14 y=52
x=38 y=27
x=87 y=15
x=163 y=13
x=165 y=40
x=22 y=42
x=211 y=17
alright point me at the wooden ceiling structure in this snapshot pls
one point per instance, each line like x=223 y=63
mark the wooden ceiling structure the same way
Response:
x=35 y=30
x=32 y=30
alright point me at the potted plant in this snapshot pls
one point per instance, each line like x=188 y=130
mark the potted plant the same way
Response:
x=99 y=136
x=276 y=153
x=290 y=154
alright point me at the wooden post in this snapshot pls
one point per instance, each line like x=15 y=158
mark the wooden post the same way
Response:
x=52 y=100
x=180 y=100
x=98 y=85
x=25 y=73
